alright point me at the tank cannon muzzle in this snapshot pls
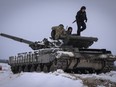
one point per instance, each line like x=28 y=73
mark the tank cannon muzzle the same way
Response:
x=16 y=38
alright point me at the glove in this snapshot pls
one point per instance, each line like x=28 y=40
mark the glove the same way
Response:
x=86 y=21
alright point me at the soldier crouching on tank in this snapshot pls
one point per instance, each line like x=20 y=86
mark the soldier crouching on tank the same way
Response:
x=58 y=31
x=81 y=18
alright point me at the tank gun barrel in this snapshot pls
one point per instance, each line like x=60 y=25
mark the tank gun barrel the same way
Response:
x=33 y=45
x=16 y=38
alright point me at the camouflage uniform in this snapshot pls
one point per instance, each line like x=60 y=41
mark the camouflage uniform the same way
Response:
x=59 y=30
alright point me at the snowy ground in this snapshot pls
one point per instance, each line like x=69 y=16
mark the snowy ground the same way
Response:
x=55 y=79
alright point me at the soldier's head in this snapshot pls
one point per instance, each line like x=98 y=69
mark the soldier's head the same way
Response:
x=70 y=29
x=61 y=25
x=83 y=8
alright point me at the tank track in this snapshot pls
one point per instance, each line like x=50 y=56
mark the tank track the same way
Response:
x=42 y=67
x=108 y=65
x=63 y=64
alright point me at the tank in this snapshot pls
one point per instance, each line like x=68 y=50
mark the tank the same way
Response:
x=70 y=53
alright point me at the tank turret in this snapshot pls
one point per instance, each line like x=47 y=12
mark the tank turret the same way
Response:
x=68 y=40
x=78 y=41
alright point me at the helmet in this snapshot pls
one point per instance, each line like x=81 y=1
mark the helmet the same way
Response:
x=61 y=25
x=83 y=7
x=69 y=27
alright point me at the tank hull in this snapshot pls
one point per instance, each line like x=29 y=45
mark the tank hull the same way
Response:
x=76 y=61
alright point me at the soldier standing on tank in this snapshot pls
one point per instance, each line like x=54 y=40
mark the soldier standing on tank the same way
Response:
x=57 y=31
x=81 y=18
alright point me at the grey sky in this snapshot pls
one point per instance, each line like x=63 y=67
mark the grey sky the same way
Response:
x=33 y=19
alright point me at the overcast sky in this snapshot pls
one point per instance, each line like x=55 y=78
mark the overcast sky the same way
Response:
x=33 y=19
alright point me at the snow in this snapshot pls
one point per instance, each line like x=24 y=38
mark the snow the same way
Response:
x=63 y=53
x=40 y=80
x=103 y=56
x=108 y=76
x=114 y=63
x=55 y=79
x=34 y=79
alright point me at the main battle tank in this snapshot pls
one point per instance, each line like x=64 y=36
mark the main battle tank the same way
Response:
x=70 y=53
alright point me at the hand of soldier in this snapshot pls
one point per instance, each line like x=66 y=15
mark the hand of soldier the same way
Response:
x=86 y=21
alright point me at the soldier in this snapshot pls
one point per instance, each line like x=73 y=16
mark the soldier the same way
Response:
x=57 y=31
x=69 y=31
x=81 y=18
x=46 y=42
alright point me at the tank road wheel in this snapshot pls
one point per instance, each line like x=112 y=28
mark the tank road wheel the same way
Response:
x=86 y=71
x=32 y=69
x=26 y=68
x=53 y=66
x=38 y=69
x=105 y=67
x=14 y=70
x=45 y=68
x=23 y=67
x=20 y=69
x=41 y=66
x=93 y=71
x=79 y=72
